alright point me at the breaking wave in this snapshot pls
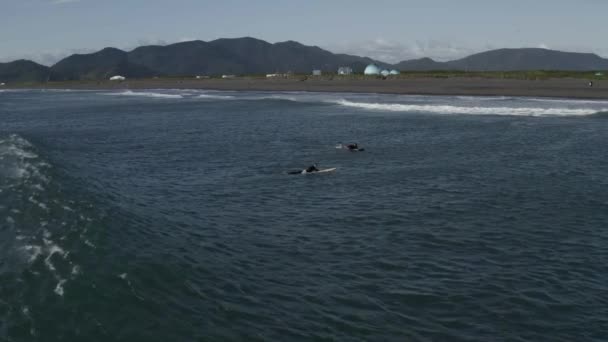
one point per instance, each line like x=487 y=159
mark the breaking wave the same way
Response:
x=569 y=101
x=450 y=109
x=215 y=97
x=484 y=98
x=40 y=227
x=147 y=94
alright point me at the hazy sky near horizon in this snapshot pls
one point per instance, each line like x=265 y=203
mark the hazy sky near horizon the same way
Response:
x=388 y=30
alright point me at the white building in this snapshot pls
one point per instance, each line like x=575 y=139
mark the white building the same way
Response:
x=317 y=72
x=372 y=69
x=117 y=78
x=385 y=72
x=345 y=70
x=395 y=72
x=228 y=76
x=2 y=84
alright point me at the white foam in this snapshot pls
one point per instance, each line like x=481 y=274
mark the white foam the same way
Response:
x=147 y=94
x=17 y=151
x=75 y=270
x=483 y=98
x=569 y=101
x=215 y=97
x=18 y=161
x=54 y=248
x=59 y=288
x=51 y=249
x=33 y=251
x=448 y=109
x=279 y=98
x=38 y=203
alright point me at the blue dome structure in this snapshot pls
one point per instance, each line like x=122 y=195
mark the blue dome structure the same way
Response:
x=372 y=69
x=395 y=72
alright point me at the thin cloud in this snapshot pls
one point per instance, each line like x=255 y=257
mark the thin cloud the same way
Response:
x=60 y=2
x=392 y=52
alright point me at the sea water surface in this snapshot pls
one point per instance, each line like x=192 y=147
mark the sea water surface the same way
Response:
x=167 y=215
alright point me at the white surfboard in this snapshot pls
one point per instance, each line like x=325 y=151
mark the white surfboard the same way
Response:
x=321 y=171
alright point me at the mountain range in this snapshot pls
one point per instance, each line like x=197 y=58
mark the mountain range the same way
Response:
x=253 y=56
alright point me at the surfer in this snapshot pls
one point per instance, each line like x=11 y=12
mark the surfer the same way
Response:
x=352 y=147
x=312 y=168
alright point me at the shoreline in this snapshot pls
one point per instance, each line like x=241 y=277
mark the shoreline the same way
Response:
x=456 y=86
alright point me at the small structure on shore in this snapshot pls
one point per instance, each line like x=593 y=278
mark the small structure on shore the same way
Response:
x=395 y=72
x=199 y=77
x=276 y=75
x=228 y=76
x=2 y=84
x=599 y=74
x=117 y=78
x=385 y=72
x=345 y=70
x=317 y=72
x=372 y=69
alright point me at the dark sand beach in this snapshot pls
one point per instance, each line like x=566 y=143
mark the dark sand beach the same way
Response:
x=570 y=88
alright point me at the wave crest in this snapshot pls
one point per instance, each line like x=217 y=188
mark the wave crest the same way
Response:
x=41 y=226
x=215 y=97
x=147 y=94
x=18 y=161
x=450 y=109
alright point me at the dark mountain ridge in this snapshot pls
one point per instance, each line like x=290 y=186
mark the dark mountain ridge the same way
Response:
x=254 y=56
x=524 y=59
x=23 y=71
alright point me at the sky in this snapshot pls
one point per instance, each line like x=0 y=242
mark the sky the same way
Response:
x=388 y=30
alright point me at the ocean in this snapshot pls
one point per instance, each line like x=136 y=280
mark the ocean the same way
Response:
x=168 y=215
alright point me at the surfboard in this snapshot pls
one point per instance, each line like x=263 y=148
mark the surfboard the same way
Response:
x=344 y=147
x=324 y=170
x=303 y=172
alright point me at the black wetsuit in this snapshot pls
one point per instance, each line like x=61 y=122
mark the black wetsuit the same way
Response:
x=312 y=169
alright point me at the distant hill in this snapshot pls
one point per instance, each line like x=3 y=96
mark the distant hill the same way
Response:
x=253 y=56
x=23 y=71
x=99 y=65
x=514 y=60
x=240 y=56
x=222 y=56
x=422 y=64
x=530 y=59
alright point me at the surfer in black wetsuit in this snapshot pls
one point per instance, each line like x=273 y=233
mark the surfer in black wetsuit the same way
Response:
x=312 y=168
x=351 y=147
